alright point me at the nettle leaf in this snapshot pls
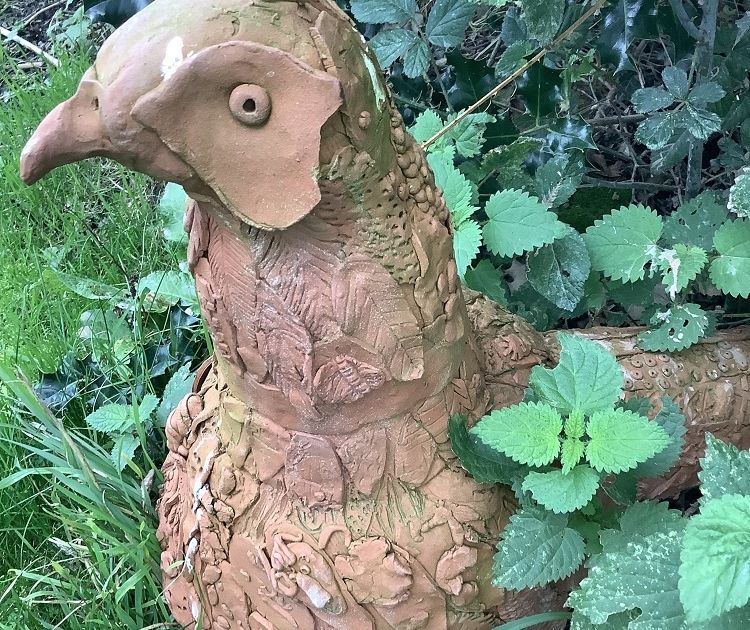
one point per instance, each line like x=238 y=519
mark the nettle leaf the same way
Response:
x=571 y=453
x=172 y=206
x=622 y=243
x=650 y=99
x=528 y=432
x=416 y=59
x=657 y=130
x=715 y=558
x=676 y=81
x=513 y=58
x=113 y=418
x=739 y=195
x=730 y=271
x=123 y=450
x=537 y=547
x=695 y=222
x=587 y=378
x=426 y=125
x=620 y=440
x=393 y=44
x=383 y=11
x=700 y=122
x=636 y=571
x=704 y=93
x=563 y=492
x=677 y=328
x=672 y=420
x=468 y=133
x=447 y=22
x=559 y=270
x=557 y=180
x=680 y=266
x=575 y=425
x=519 y=223
x=725 y=470
x=498 y=469
x=147 y=406
x=467 y=239
x=457 y=190
x=179 y=386
x=487 y=280
x=543 y=18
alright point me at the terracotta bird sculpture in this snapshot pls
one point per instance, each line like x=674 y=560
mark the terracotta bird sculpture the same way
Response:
x=310 y=482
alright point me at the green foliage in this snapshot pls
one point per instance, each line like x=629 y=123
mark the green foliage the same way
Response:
x=675 y=329
x=724 y=470
x=730 y=270
x=563 y=491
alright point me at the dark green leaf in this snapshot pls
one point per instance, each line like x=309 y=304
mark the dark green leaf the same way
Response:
x=488 y=280
x=513 y=58
x=383 y=11
x=650 y=99
x=391 y=45
x=447 y=22
x=499 y=469
x=695 y=222
x=676 y=81
x=617 y=33
x=543 y=18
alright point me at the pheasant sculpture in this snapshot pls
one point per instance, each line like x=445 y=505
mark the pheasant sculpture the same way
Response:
x=310 y=482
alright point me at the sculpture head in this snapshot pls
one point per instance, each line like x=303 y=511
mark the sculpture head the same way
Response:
x=233 y=100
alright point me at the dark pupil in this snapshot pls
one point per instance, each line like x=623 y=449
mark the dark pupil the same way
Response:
x=249 y=105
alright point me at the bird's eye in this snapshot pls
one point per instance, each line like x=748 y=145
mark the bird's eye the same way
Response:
x=250 y=104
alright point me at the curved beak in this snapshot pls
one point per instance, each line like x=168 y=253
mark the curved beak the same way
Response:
x=70 y=133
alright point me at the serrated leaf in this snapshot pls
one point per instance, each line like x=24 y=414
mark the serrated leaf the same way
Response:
x=179 y=386
x=730 y=271
x=147 y=406
x=457 y=190
x=112 y=418
x=571 y=453
x=559 y=270
x=513 y=58
x=700 y=122
x=725 y=470
x=391 y=45
x=528 y=432
x=620 y=440
x=172 y=210
x=488 y=280
x=677 y=328
x=636 y=571
x=499 y=469
x=519 y=223
x=124 y=450
x=447 y=22
x=562 y=491
x=656 y=131
x=383 y=11
x=557 y=179
x=695 y=221
x=537 y=547
x=467 y=238
x=715 y=558
x=514 y=28
x=416 y=59
x=676 y=81
x=739 y=195
x=672 y=420
x=543 y=18
x=587 y=378
x=704 y=93
x=468 y=134
x=651 y=99
x=575 y=425
x=426 y=125
x=622 y=243
x=680 y=266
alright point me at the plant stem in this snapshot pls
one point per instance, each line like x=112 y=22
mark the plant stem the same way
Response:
x=11 y=36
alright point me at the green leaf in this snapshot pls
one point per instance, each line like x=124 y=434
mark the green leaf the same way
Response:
x=650 y=99
x=622 y=243
x=575 y=425
x=383 y=11
x=457 y=190
x=488 y=280
x=676 y=81
x=172 y=207
x=543 y=18
x=571 y=453
x=559 y=270
x=557 y=180
x=513 y=58
x=743 y=25
x=124 y=450
x=468 y=133
x=426 y=125
x=725 y=470
x=700 y=122
x=620 y=440
x=447 y=22
x=695 y=222
x=617 y=33
x=636 y=571
x=519 y=223
x=587 y=378
x=393 y=44
x=656 y=131
x=672 y=420
x=467 y=238
x=730 y=271
x=537 y=547
x=704 y=93
x=171 y=286
x=739 y=195
x=112 y=418
x=680 y=266
x=528 y=432
x=677 y=328
x=498 y=469
x=562 y=492
x=147 y=406
x=715 y=558
x=179 y=386
x=90 y=289
x=416 y=59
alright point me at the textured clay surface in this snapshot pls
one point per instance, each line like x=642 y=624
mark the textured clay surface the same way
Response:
x=310 y=482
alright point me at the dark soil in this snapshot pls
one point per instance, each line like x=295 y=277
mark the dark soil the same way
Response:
x=30 y=17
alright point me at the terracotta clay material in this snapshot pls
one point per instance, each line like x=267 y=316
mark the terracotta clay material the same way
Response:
x=310 y=482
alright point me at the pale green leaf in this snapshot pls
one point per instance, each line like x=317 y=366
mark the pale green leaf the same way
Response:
x=519 y=223
x=124 y=450
x=621 y=244
x=575 y=424
x=383 y=11
x=715 y=558
x=147 y=406
x=695 y=221
x=467 y=238
x=392 y=44
x=676 y=81
x=650 y=99
x=677 y=328
x=90 y=289
x=704 y=93
x=620 y=440
x=730 y=271
x=562 y=491
x=528 y=432
x=672 y=420
x=700 y=122
x=468 y=134
x=587 y=378
x=656 y=131
x=571 y=453
x=557 y=179
x=179 y=386
x=680 y=266
x=426 y=125
x=172 y=207
x=112 y=418
x=171 y=286
x=457 y=190
x=543 y=18
x=725 y=469
x=739 y=195
x=447 y=22
x=537 y=547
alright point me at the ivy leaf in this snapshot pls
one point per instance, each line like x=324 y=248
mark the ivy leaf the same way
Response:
x=617 y=33
x=650 y=99
x=672 y=420
x=704 y=93
x=467 y=238
x=416 y=59
x=112 y=418
x=657 y=130
x=622 y=243
x=739 y=195
x=179 y=386
x=730 y=271
x=513 y=58
x=559 y=270
x=447 y=22
x=124 y=450
x=620 y=440
x=676 y=81
x=700 y=122
x=393 y=44
x=681 y=266
x=562 y=492
x=571 y=453
x=677 y=328
x=586 y=379
x=715 y=559
x=725 y=470
x=383 y=11
x=487 y=280
x=528 y=432
x=457 y=190
x=537 y=547
x=519 y=223
x=695 y=221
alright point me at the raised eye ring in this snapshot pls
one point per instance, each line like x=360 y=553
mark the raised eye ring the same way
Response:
x=250 y=104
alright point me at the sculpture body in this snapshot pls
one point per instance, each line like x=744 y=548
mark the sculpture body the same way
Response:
x=310 y=481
